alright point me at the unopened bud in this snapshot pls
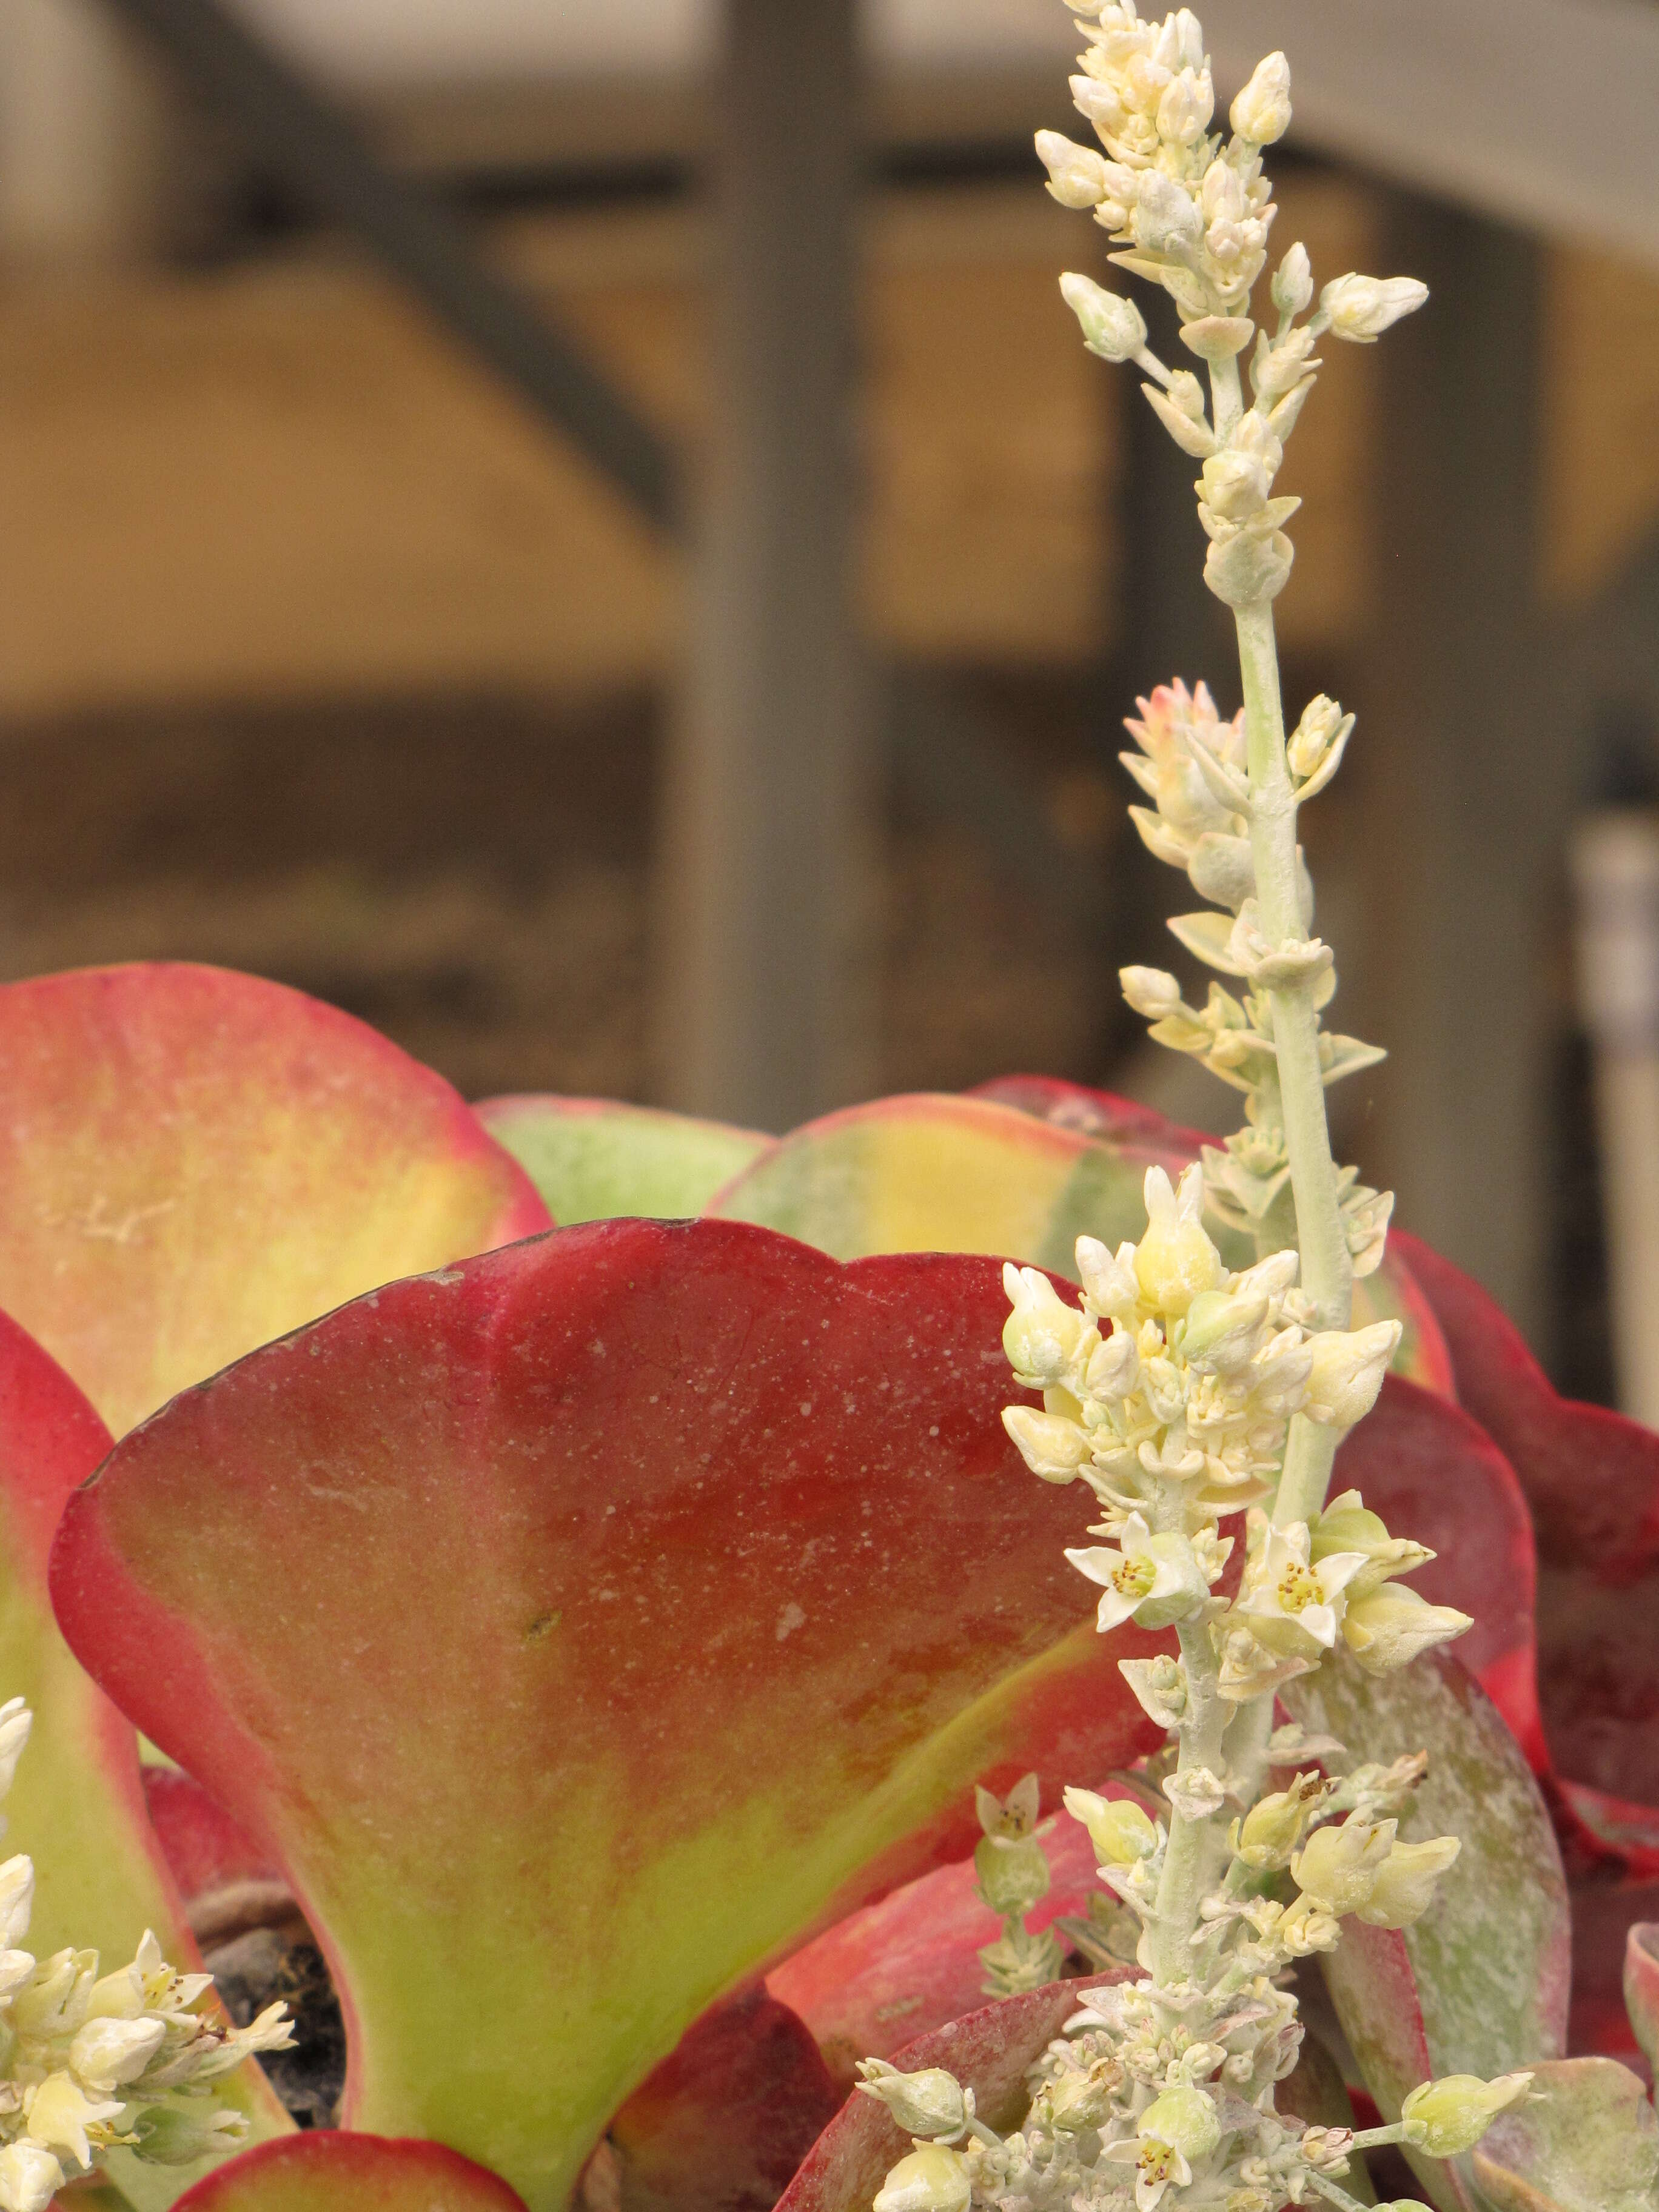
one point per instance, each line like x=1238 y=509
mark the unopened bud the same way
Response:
x=1108 y=1277
x=1152 y=992
x=1262 y=112
x=106 y=2051
x=1114 y=1366
x=1362 y=307
x=1119 y=1830
x=29 y=2177
x=1222 y=1328
x=165 y=2136
x=1347 y=1371
x=1185 y=2117
x=1174 y=1260
x=1050 y=1445
x=1077 y=174
x=1112 y=326
x=1338 y=1866
x=1184 y=111
x=1042 y=1335
x=1311 y=739
x=16 y=1900
x=1271 y=1828
x=1404 y=1889
x=1079 y=2101
x=932 y=2179
x=1389 y=1627
x=1445 y=2118
x=930 y=2103
x=1292 y=284
x=1013 y=1873
x=1165 y=213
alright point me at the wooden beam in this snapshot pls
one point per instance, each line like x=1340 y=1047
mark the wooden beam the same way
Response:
x=764 y=805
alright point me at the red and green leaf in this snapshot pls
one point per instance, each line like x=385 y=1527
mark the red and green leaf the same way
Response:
x=581 y=1627
x=193 y=1162
x=910 y=1962
x=1481 y=1984
x=722 y=2124
x=328 y=2171
x=596 y=1159
x=1591 y=1479
x=933 y=1173
x=1584 y=2140
x=990 y=2052
x=77 y=1804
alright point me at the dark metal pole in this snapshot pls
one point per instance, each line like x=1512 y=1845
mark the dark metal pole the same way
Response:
x=765 y=801
x=317 y=151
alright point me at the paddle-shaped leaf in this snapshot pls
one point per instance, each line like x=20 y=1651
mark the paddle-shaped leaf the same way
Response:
x=593 y=1159
x=1480 y=1985
x=583 y=1625
x=990 y=2052
x=1585 y=2140
x=910 y=1963
x=932 y=1173
x=1592 y=1481
x=722 y=2124
x=326 y=2170
x=77 y=1806
x=192 y=1162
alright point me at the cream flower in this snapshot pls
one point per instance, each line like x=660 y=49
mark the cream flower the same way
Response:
x=1153 y=1580
x=1290 y=1602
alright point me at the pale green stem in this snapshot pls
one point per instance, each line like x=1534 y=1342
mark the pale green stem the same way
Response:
x=1189 y=1856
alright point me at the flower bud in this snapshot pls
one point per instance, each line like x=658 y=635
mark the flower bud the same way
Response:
x=1050 y=1445
x=930 y=2103
x=1165 y=213
x=933 y=2180
x=1338 y=1866
x=1222 y=1329
x=1077 y=174
x=15 y=1721
x=1152 y=992
x=1013 y=1873
x=1445 y=2118
x=1404 y=1889
x=1118 y=1829
x=16 y=1899
x=1292 y=284
x=107 y=2051
x=1235 y=485
x=1362 y=307
x=1346 y=1525
x=1079 y=2101
x=1347 y=1371
x=1174 y=1260
x=1184 y=111
x=1311 y=739
x=1262 y=112
x=1101 y=103
x=1273 y=1827
x=1185 y=2117
x=1387 y=1628
x=1042 y=1335
x=29 y=2177
x=54 y=2002
x=1107 y=1277
x=167 y=2136
x=1114 y=1366
x=1113 y=327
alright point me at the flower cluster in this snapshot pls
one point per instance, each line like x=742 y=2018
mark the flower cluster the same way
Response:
x=88 y=2061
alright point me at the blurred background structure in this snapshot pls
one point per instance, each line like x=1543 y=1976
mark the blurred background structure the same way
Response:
x=585 y=533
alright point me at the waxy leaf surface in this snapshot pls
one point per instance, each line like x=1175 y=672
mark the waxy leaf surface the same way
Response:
x=582 y=1626
x=595 y=1159
x=931 y=1173
x=722 y=2124
x=990 y=2052
x=910 y=1962
x=329 y=2170
x=1585 y=2140
x=76 y=1805
x=1481 y=1984
x=1591 y=1479
x=193 y=1162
